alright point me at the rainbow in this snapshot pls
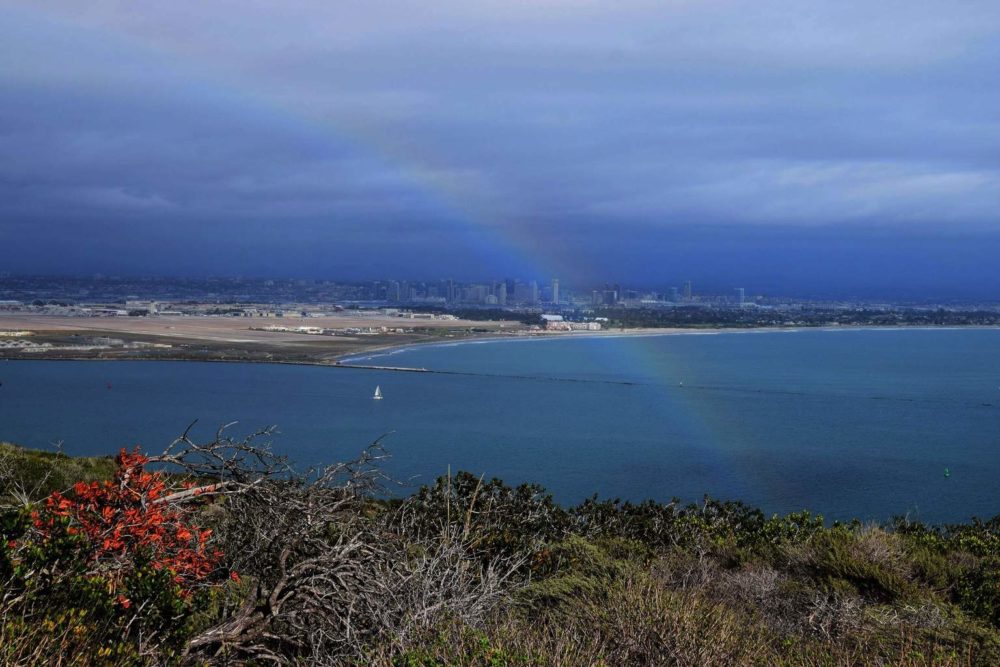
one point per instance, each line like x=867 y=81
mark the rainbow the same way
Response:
x=482 y=208
x=484 y=211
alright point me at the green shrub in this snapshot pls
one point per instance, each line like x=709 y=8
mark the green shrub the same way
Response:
x=603 y=583
x=978 y=590
x=841 y=560
x=40 y=473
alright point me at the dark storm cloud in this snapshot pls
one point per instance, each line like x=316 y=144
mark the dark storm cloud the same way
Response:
x=317 y=133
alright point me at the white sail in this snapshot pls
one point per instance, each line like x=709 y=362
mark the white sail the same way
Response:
x=378 y=393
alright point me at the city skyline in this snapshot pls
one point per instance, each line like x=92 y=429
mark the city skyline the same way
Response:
x=485 y=292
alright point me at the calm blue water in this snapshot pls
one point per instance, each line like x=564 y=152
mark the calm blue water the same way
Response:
x=846 y=423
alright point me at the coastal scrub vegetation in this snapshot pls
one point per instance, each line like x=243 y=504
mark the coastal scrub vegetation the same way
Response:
x=224 y=553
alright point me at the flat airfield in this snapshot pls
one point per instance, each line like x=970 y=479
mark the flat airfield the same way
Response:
x=232 y=338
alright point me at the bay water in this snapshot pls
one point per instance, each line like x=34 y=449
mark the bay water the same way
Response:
x=848 y=423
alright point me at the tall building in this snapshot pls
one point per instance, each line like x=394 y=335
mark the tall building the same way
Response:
x=511 y=286
x=555 y=290
x=687 y=290
x=502 y=294
x=478 y=293
x=675 y=296
x=525 y=293
x=740 y=295
x=451 y=290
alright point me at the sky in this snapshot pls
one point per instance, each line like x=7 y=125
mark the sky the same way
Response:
x=794 y=147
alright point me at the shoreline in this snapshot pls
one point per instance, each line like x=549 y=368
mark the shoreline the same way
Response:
x=350 y=359
x=362 y=359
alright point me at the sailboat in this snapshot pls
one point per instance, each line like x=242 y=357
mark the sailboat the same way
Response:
x=378 y=393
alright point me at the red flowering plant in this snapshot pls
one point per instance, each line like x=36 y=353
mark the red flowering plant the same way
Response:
x=122 y=547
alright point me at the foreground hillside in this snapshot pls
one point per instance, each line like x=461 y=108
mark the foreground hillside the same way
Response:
x=234 y=557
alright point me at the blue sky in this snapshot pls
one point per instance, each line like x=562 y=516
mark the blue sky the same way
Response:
x=792 y=146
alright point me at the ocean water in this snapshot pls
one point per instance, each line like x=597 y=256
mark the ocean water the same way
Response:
x=852 y=423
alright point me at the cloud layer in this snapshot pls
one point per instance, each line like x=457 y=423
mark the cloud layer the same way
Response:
x=515 y=136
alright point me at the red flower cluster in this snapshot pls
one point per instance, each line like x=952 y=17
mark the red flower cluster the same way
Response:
x=127 y=517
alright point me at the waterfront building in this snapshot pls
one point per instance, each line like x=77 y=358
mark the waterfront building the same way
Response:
x=584 y=326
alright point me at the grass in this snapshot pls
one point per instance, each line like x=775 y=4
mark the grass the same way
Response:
x=608 y=583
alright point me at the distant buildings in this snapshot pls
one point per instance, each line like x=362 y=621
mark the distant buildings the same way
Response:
x=506 y=293
x=259 y=298
x=558 y=323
